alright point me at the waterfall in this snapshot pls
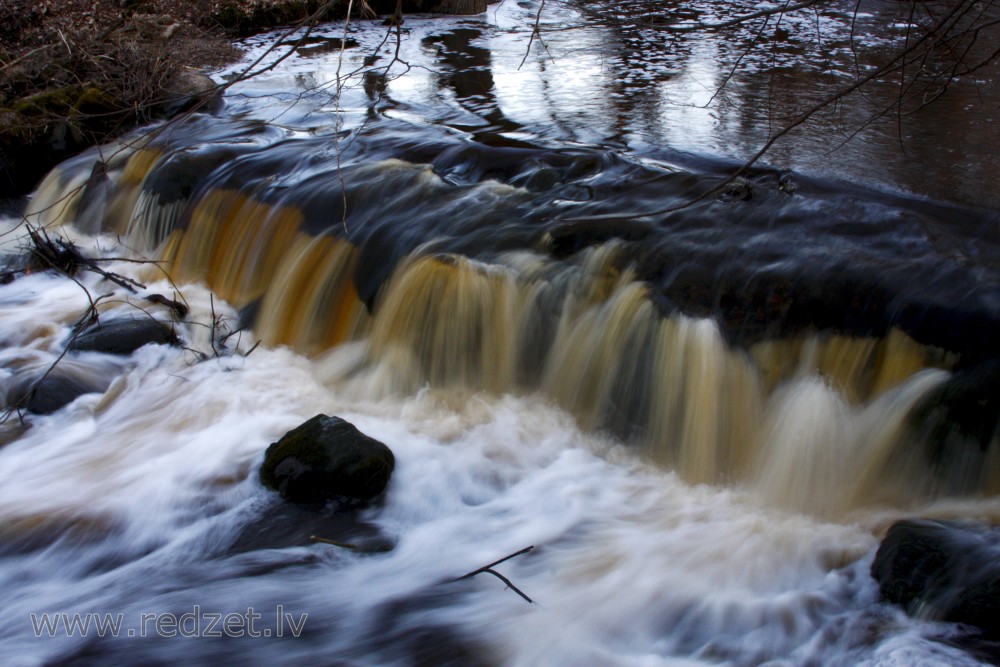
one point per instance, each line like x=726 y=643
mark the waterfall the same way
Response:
x=701 y=408
x=817 y=420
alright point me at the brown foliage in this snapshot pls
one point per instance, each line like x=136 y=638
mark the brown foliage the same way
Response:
x=76 y=72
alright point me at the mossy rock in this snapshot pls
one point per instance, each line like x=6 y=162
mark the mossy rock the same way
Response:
x=94 y=100
x=66 y=102
x=327 y=458
x=54 y=101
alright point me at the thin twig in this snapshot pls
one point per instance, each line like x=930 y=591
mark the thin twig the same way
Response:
x=215 y=323
x=339 y=114
x=63 y=38
x=26 y=55
x=488 y=569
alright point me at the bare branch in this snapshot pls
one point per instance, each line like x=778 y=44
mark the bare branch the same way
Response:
x=488 y=569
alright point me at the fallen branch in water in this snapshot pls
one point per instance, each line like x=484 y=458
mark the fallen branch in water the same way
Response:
x=343 y=545
x=179 y=309
x=219 y=336
x=239 y=339
x=488 y=569
x=117 y=279
x=44 y=253
x=64 y=257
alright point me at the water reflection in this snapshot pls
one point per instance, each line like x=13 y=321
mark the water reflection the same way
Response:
x=727 y=92
x=609 y=75
x=465 y=70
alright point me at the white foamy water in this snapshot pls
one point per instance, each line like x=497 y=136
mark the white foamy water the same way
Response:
x=140 y=500
x=137 y=501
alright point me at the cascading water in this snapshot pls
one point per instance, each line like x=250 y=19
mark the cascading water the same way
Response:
x=702 y=420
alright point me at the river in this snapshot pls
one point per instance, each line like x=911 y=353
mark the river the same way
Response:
x=701 y=408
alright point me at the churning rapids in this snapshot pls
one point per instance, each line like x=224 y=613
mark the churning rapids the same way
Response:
x=703 y=419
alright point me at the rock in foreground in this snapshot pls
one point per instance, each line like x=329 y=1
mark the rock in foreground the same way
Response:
x=942 y=571
x=327 y=458
x=123 y=336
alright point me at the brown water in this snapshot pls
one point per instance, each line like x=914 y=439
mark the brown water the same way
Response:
x=703 y=412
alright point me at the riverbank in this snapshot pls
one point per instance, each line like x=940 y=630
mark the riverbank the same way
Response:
x=76 y=73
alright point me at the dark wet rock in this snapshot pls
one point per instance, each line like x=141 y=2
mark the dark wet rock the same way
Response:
x=283 y=525
x=567 y=239
x=434 y=645
x=11 y=430
x=327 y=458
x=317 y=46
x=123 y=336
x=954 y=427
x=968 y=404
x=179 y=309
x=248 y=314
x=984 y=649
x=942 y=571
x=43 y=394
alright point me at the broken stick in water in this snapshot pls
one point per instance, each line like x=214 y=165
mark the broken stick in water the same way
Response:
x=489 y=569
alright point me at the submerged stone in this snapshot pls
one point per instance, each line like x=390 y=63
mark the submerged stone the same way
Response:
x=942 y=571
x=282 y=525
x=123 y=336
x=44 y=394
x=327 y=458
